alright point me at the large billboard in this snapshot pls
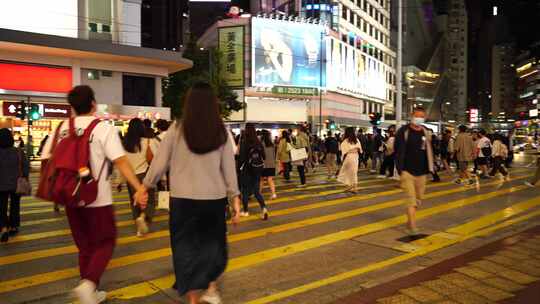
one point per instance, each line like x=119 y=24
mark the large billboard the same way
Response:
x=231 y=46
x=287 y=53
x=352 y=71
x=58 y=17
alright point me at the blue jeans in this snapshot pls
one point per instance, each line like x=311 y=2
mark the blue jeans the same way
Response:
x=250 y=184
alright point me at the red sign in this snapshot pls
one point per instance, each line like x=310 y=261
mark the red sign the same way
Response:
x=47 y=110
x=35 y=78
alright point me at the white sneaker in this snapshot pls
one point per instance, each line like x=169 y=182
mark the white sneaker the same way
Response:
x=381 y=176
x=211 y=298
x=274 y=196
x=372 y=171
x=528 y=184
x=142 y=227
x=86 y=292
x=264 y=214
x=244 y=214
x=101 y=296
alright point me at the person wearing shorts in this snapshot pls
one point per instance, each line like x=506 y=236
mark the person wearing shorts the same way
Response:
x=269 y=171
x=414 y=161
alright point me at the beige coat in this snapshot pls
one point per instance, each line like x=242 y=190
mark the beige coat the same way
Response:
x=464 y=147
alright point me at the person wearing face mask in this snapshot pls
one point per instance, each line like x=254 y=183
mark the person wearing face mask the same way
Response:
x=414 y=161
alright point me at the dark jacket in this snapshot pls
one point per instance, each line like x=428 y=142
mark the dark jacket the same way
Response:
x=244 y=151
x=9 y=168
x=401 y=148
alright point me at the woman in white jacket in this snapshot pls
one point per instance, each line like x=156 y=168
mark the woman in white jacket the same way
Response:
x=499 y=153
x=350 y=149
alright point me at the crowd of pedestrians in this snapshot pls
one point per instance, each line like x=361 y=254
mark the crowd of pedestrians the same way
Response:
x=200 y=149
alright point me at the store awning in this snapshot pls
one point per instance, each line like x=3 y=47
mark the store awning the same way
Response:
x=26 y=42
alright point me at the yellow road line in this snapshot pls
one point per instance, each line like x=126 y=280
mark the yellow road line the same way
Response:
x=54 y=233
x=17 y=258
x=149 y=287
x=481 y=222
x=22 y=257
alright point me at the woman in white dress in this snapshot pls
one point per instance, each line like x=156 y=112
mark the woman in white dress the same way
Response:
x=350 y=149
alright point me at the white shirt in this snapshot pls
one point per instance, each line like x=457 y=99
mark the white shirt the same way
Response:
x=105 y=145
x=483 y=142
x=138 y=159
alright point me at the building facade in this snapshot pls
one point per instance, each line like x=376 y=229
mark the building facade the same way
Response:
x=527 y=70
x=457 y=60
x=503 y=79
x=97 y=44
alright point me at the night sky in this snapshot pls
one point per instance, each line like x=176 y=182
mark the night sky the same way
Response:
x=522 y=17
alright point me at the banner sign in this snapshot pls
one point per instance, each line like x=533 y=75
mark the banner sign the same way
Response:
x=281 y=90
x=287 y=53
x=46 y=110
x=231 y=45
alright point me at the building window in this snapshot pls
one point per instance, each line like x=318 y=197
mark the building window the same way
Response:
x=93 y=75
x=138 y=91
x=344 y=12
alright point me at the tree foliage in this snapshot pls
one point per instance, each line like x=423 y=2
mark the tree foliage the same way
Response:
x=207 y=68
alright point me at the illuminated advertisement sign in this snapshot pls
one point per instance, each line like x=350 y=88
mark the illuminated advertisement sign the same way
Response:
x=473 y=115
x=231 y=45
x=58 y=17
x=353 y=71
x=287 y=53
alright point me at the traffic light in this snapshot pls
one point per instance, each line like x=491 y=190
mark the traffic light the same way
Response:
x=21 y=110
x=330 y=124
x=34 y=112
x=375 y=118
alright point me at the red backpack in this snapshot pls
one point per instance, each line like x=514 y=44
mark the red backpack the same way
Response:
x=66 y=178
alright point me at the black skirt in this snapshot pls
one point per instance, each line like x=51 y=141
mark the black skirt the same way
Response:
x=269 y=172
x=198 y=242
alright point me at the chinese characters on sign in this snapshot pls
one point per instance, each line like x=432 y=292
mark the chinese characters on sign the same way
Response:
x=231 y=45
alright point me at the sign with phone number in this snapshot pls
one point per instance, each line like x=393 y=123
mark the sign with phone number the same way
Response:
x=295 y=91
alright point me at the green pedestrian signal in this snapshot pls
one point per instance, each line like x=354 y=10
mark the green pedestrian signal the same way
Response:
x=34 y=112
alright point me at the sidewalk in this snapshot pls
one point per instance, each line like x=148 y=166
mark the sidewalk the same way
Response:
x=506 y=271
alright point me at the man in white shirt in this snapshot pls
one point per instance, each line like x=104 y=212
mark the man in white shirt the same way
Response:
x=93 y=227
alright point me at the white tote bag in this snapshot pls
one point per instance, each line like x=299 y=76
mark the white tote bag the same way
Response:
x=163 y=200
x=298 y=154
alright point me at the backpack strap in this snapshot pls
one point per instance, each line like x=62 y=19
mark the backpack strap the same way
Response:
x=56 y=138
x=71 y=128
x=84 y=152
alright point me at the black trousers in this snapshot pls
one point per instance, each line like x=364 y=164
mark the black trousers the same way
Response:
x=302 y=173
x=498 y=166
x=14 y=218
x=387 y=164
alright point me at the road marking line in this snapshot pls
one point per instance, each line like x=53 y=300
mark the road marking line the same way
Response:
x=389 y=262
x=48 y=234
x=251 y=259
x=150 y=287
x=124 y=196
x=17 y=258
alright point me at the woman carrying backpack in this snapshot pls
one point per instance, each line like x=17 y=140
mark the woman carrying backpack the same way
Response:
x=499 y=154
x=198 y=149
x=269 y=162
x=252 y=160
x=13 y=165
x=351 y=150
x=140 y=150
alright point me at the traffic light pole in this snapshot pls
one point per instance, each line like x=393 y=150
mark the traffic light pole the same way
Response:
x=28 y=125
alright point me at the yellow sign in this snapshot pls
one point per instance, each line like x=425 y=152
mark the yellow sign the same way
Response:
x=231 y=46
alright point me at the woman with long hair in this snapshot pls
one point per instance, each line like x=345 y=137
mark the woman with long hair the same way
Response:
x=269 y=171
x=199 y=149
x=13 y=165
x=251 y=159
x=283 y=154
x=139 y=149
x=350 y=149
